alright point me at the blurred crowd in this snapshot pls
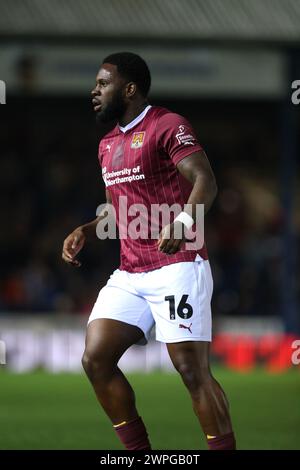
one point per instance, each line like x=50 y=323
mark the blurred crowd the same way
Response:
x=50 y=183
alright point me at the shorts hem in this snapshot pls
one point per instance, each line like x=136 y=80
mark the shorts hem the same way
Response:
x=181 y=340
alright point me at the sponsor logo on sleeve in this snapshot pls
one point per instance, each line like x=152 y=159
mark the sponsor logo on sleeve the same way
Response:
x=183 y=137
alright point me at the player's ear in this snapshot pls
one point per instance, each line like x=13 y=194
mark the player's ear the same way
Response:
x=130 y=89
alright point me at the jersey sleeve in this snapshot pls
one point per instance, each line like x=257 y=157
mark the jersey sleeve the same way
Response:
x=176 y=137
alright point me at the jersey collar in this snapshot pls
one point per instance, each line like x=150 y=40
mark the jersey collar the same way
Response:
x=138 y=119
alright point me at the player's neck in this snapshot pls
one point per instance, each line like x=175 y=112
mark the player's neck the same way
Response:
x=132 y=112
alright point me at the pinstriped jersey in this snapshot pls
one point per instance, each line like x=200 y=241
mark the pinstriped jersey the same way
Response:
x=139 y=170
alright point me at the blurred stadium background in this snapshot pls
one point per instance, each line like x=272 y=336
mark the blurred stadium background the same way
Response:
x=227 y=65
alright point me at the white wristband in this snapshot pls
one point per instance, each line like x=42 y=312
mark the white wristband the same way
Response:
x=186 y=219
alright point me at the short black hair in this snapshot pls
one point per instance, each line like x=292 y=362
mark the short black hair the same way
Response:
x=132 y=67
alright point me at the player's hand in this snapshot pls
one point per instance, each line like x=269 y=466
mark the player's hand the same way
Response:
x=72 y=246
x=167 y=242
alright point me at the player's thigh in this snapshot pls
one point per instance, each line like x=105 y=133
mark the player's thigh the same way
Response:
x=180 y=302
x=108 y=339
x=119 y=317
x=190 y=355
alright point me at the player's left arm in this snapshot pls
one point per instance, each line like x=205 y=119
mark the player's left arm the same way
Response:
x=197 y=170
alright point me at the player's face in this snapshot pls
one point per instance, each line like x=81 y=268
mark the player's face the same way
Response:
x=108 y=95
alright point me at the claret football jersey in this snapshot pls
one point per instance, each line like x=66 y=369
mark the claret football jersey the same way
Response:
x=139 y=170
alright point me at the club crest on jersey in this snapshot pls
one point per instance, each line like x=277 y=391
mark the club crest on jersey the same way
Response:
x=137 y=140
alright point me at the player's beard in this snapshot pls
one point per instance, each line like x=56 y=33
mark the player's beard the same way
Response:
x=113 y=110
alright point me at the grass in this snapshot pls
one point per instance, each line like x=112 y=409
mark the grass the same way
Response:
x=44 y=411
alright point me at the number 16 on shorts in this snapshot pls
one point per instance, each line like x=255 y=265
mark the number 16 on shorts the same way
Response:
x=184 y=309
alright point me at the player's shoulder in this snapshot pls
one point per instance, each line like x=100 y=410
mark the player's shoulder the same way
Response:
x=165 y=113
x=167 y=119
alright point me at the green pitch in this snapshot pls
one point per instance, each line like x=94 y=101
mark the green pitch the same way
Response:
x=44 y=411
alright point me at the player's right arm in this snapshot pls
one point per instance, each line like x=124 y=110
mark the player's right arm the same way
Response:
x=74 y=242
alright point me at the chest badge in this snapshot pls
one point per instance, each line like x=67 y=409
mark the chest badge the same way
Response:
x=137 y=140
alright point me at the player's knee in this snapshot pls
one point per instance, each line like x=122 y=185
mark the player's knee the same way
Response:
x=95 y=366
x=86 y=363
x=193 y=376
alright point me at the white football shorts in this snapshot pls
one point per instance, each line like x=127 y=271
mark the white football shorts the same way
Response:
x=175 y=298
